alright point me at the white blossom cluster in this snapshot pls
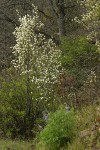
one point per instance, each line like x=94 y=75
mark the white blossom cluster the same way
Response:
x=36 y=56
x=91 y=19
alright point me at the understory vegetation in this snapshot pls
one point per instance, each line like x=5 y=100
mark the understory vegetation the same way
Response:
x=67 y=130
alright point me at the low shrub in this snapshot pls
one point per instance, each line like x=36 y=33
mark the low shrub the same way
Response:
x=60 y=130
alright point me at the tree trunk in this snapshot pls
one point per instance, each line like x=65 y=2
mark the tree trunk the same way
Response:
x=61 y=18
x=58 y=10
x=28 y=97
x=28 y=89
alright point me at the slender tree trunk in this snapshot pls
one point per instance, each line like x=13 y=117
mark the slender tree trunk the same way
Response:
x=58 y=10
x=28 y=89
x=61 y=18
x=28 y=97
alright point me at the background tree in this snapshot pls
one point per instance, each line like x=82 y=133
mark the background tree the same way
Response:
x=80 y=82
x=91 y=20
x=37 y=58
x=37 y=63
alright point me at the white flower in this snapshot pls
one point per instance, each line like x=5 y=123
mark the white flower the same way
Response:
x=36 y=56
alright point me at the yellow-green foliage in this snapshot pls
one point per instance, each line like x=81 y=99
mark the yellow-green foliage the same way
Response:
x=86 y=117
x=60 y=130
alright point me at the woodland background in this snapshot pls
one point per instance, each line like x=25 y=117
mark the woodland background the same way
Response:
x=79 y=85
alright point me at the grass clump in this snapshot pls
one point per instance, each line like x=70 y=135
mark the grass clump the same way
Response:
x=60 y=130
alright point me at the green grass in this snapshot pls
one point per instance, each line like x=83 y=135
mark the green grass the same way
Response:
x=15 y=145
